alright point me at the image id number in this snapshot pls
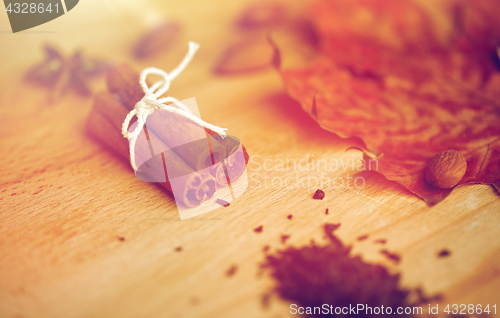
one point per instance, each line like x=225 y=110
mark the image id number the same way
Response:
x=32 y=8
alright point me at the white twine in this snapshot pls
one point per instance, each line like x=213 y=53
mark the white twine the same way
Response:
x=151 y=102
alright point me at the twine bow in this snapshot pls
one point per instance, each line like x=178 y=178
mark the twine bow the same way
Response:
x=151 y=102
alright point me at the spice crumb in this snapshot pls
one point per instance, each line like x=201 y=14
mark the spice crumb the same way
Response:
x=391 y=256
x=326 y=212
x=284 y=238
x=121 y=238
x=258 y=229
x=194 y=300
x=266 y=248
x=231 y=271
x=380 y=241
x=178 y=249
x=444 y=253
x=222 y=202
x=319 y=195
x=362 y=237
x=266 y=300
x=290 y=217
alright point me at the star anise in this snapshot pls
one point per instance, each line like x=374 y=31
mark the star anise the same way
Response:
x=59 y=72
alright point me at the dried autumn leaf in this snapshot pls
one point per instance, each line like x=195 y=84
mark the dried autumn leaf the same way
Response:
x=409 y=83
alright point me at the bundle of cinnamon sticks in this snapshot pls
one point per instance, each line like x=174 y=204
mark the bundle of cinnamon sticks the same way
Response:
x=188 y=160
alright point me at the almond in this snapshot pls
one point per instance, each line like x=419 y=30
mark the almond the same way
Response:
x=245 y=57
x=446 y=169
x=263 y=16
x=156 y=41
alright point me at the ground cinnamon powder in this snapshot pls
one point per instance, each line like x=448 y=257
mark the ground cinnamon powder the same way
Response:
x=314 y=275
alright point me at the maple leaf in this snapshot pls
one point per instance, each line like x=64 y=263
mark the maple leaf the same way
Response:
x=410 y=82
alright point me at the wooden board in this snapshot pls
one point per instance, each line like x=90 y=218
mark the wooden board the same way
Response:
x=65 y=200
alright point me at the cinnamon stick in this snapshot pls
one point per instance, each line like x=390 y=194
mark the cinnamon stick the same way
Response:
x=124 y=81
x=152 y=155
x=235 y=163
x=185 y=137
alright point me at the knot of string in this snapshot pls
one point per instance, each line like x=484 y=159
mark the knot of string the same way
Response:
x=152 y=101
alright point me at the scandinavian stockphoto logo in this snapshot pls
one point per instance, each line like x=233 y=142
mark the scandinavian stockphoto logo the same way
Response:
x=26 y=15
x=203 y=172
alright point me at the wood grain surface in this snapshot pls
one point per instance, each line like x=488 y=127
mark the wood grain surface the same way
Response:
x=65 y=201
